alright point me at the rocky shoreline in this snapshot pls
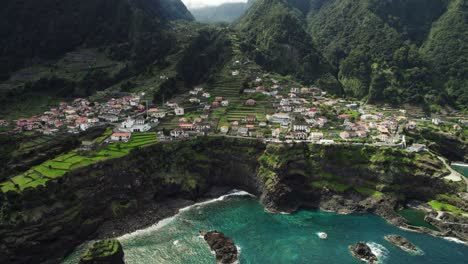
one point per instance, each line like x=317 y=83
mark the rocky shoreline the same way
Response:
x=112 y=198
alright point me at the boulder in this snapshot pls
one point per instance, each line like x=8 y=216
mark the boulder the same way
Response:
x=224 y=247
x=362 y=251
x=107 y=251
x=402 y=243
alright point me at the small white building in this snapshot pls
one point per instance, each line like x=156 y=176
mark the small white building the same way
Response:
x=327 y=141
x=224 y=129
x=417 y=148
x=179 y=111
x=301 y=127
x=121 y=136
x=316 y=135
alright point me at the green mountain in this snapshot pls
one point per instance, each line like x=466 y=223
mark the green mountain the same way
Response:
x=447 y=49
x=75 y=49
x=46 y=29
x=275 y=37
x=227 y=12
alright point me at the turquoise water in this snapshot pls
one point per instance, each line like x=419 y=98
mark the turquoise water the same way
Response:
x=264 y=237
x=462 y=169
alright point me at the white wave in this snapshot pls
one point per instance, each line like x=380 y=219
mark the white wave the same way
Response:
x=459 y=164
x=275 y=212
x=456 y=240
x=221 y=198
x=322 y=235
x=379 y=250
x=168 y=220
x=147 y=230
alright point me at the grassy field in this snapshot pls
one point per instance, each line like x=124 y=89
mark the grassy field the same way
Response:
x=60 y=165
x=441 y=206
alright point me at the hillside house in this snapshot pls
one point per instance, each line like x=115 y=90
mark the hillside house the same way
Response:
x=250 y=102
x=121 y=136
x=345 y=135
x=250 y=119
x=224 y=129
x=179 y=111
x=316 y=135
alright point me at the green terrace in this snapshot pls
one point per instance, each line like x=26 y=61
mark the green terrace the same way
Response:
x=64 y=163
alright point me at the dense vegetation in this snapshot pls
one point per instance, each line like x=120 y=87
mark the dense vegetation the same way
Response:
x=47 y=29
x=447 y=49
x=401 y=51
x=276 y=38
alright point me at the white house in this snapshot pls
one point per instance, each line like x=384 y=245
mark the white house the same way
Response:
x=279 y=117
x=225 y=103
x=301 y=127
x=316 y=135
x=224 y=129
x=179 y=111
x=121 y=136
x=327 y=141
x=276 y=132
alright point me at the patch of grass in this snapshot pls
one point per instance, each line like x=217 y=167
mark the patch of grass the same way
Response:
x=441 y=206
x=335 y=186
x=370 y=192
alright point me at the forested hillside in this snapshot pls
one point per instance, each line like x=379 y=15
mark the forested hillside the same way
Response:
x=275 y=37
x=447 y=49
x=377 y=51
x=376 y=46
x=47 y=29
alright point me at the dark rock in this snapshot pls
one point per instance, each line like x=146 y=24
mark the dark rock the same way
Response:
x=224 y=247
x=402 y=243
x=362 y=251
x=104 y=252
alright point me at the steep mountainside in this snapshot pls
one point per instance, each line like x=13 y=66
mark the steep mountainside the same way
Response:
x=371 y=43
x=227 y=12
x=447 y=49
x=47 y=29
x=276 y=38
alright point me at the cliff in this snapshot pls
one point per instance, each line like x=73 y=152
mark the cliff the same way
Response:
x=72 y=207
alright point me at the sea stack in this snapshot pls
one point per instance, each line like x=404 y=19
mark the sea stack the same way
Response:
x=224 y=247
x=402 y=243
x=108 y=251
x=362 y=251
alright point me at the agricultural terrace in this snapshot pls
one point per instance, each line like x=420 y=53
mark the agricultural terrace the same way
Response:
x=60 y=165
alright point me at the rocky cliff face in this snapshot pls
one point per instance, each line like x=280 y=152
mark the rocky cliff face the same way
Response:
x=45 y=223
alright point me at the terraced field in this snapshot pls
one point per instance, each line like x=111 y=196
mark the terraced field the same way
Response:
x=60 y=165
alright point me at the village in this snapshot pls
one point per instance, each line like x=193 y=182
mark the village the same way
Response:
x=267 y=111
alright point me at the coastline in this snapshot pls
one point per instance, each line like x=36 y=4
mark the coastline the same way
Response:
x=156 y=216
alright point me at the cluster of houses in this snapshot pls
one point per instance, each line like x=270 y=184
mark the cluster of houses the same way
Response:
x=80 y=115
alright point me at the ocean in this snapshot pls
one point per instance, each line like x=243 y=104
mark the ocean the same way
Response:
x=462 y=168
x=264 y=237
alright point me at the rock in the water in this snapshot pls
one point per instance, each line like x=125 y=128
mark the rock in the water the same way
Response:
x=402 y=243
x=224 y=247
x=362 y=251
x=104 y=252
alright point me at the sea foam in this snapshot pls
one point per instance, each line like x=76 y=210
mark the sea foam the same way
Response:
x=168 y=220
x=454 y=239
x=379 y=250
